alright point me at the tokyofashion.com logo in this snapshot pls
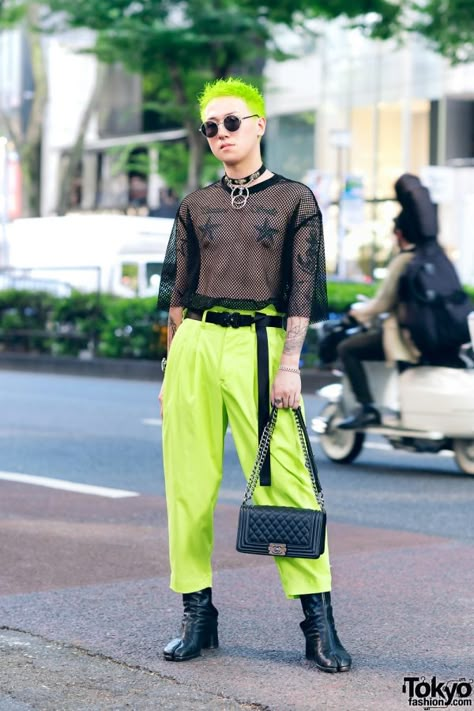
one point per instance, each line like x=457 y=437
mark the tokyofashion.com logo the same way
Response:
x=431 y=693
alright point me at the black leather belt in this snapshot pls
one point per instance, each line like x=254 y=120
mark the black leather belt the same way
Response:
x=262 y=321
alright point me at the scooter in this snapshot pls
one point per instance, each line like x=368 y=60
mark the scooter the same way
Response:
x=424 y=409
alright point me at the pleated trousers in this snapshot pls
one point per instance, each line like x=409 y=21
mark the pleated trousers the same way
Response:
x=210 y=383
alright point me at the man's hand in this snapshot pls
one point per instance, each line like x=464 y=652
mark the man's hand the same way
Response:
x=175 y=319
x=353 y=313
x=286 y=390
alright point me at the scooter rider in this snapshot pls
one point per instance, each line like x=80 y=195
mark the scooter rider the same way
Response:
x=391 y=343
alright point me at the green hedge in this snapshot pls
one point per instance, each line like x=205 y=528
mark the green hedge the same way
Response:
x=104 y=325
x=133 y=329
x=114 y=327
x=341 y=295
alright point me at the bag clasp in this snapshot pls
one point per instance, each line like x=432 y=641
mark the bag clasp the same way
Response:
x=276 y=549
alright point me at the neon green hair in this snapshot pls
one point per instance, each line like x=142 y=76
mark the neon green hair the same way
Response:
x=232 y=87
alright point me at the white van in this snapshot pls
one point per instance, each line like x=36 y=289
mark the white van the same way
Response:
x=115 y=254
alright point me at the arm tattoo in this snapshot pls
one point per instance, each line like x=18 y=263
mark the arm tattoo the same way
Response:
x=173 y=326
x=295 y=335
x=174 y=322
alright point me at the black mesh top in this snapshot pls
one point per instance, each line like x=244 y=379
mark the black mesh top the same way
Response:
x=269 y=252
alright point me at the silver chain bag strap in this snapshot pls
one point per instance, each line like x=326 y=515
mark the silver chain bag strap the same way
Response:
x=282 y=530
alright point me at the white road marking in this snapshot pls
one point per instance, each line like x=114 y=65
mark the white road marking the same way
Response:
x=67 y=485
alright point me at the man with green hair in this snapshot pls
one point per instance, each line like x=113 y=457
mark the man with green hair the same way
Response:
x=245 y=258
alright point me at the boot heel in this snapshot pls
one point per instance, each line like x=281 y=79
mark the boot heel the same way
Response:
x=212 y=640
x=199 y=628
x=323 y=645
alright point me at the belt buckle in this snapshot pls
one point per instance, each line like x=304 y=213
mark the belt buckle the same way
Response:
x=232 y=319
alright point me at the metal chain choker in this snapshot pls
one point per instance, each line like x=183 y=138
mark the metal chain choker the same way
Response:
x=240 y=187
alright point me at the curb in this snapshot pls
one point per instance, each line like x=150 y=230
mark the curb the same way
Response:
x=127 y=369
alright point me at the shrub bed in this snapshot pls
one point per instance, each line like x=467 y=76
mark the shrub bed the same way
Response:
x=102 y=325
x=115 y=327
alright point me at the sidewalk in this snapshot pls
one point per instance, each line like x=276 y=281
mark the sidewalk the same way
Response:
x=46 y=676
x=403 y=607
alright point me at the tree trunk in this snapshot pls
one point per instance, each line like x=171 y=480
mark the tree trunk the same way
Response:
x=196 y=147
x=75 y=156
x=30 y=161
x=29 y=147
x=196 y=158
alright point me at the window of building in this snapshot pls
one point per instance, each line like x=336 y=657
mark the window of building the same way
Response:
x=290 y=144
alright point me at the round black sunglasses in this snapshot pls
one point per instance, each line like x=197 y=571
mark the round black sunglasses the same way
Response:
x=231 y=123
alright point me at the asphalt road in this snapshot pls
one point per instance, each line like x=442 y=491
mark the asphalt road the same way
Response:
x=84 y=601
x=108 y=433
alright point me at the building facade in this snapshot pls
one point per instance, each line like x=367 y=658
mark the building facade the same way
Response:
x=350 y=115
x=102 y=182
x=117 y=122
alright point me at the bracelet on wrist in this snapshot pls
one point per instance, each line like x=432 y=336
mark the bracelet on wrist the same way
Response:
x=289 y=369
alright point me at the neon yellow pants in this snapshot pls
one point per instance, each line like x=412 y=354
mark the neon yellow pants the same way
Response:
x=211 y=381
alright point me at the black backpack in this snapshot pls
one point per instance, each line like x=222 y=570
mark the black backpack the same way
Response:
x=421 y=220
x=434 y=307
x=421 y=215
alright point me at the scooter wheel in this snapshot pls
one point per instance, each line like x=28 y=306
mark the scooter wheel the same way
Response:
x=464 y=454
x=341 y=446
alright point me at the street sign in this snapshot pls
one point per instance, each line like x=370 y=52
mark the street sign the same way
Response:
x=339 y=138
x=352 y=202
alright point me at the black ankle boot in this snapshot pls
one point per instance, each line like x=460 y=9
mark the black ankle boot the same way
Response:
x=365 y=416
x=322 y=643
x=199 y=628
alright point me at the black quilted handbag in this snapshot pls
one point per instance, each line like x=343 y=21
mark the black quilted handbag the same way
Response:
x=282 y=530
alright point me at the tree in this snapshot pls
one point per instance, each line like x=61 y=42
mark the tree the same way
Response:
x=27 y=138
x=74 y=158
x=29 y=17
x=449 y=27
x=176 y=47
x=173 y=164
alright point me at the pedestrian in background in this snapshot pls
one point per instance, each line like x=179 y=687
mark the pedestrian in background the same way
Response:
x=246 y=256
